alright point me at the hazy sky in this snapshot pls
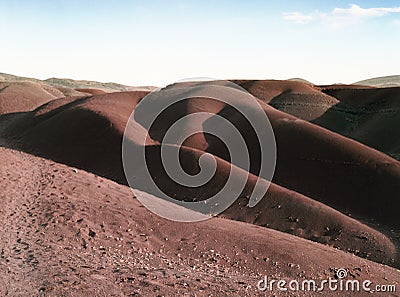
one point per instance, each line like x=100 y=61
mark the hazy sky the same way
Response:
x=158 y=42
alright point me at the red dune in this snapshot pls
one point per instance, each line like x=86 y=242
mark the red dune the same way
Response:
x=71 y=92
x=366 y=114
x=369 y=115
x=313 y=161
x=85 y=132
x=327 y=167
x=296 y=98
x=266 y=90
x=356 y=96
x=91 y=91
x=24 y=96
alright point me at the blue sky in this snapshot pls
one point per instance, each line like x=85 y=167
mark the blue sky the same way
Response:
x=158 y=42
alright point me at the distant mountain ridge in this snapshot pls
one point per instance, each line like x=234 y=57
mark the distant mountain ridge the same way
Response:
x=75 y=84
x=384 y=81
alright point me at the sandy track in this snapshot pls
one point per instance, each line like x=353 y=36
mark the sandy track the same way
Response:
x=58 y=241
x=71 y=233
